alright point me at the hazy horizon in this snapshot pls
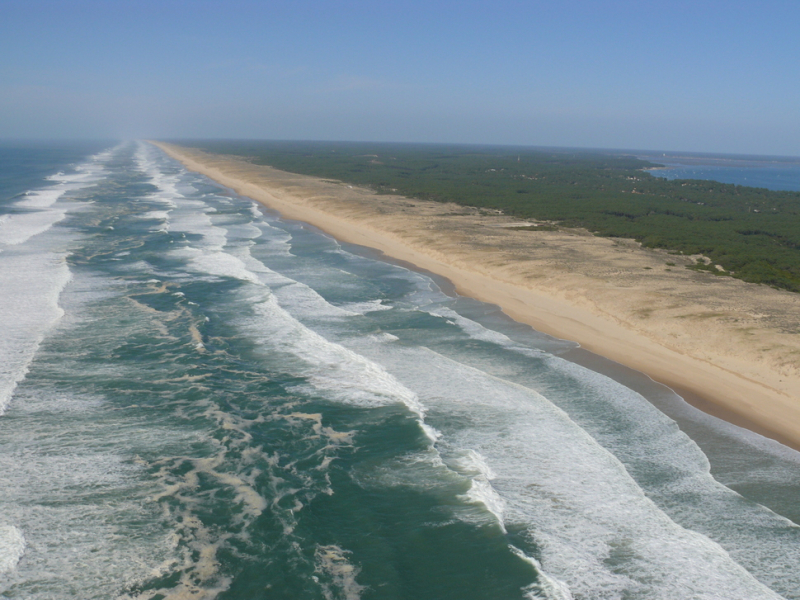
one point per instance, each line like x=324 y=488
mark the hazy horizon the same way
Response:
x=645 y=152
x=706 y=77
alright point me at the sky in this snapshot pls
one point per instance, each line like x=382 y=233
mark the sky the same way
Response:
x=701 y=76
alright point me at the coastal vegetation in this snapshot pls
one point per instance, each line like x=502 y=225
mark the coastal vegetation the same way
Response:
x=749 y=233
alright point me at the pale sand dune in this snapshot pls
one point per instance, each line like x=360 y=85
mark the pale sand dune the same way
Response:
x=729 y=342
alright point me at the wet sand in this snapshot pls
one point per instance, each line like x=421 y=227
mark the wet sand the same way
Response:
x=729 y=347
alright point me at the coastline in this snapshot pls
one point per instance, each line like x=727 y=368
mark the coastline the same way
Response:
x=729 y=347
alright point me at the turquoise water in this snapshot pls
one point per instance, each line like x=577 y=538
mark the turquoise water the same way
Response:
x=202 y=400
x=760 y=172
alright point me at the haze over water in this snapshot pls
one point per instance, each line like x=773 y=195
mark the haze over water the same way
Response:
x=202 y=400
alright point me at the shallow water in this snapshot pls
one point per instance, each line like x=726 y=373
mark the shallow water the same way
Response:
x=202 y=400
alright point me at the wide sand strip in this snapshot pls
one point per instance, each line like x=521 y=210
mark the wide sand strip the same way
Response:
x=732 y=343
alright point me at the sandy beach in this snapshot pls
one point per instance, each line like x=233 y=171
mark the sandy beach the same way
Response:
x=730 y=347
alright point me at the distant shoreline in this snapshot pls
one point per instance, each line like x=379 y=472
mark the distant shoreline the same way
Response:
x=705 y=337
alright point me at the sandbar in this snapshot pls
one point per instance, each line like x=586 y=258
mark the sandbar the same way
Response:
x=732 y=348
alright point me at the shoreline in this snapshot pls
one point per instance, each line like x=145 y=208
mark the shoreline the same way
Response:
x=600 y=364
x=569 y=285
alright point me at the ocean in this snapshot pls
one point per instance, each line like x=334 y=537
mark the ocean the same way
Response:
x=201 y=400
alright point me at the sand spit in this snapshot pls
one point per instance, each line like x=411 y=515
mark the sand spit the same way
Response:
x=733 y=344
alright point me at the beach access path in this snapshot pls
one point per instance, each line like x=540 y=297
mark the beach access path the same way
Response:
x=730 y=347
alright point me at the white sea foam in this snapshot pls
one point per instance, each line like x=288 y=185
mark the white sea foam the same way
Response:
x=190 y=217
x=238 y=230
x=41 y=209
x=276 y=241
x=12 y=547
x=19 y=228
x=30 y=284
x=187 y=215
x=157 y=215
x=303 y=300
x=39 y=216
x=215 y=257
x=84 y=172
x=385 y=337
x=547 y=587
x=182 y=214
x=219 y=264
x=474 y=466
x=138 y=266
x=330 y=367
x=146 y=158
x=363 y=308
x=476 y=331
x=42 y=198
x=72 y=501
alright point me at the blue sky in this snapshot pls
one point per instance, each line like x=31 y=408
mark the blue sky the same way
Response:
x=697 y=76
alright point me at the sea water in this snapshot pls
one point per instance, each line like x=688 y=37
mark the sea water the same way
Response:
x=202 y=400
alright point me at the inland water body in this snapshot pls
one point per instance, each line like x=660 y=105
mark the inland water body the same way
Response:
x=200 y=400
x=778 y=173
